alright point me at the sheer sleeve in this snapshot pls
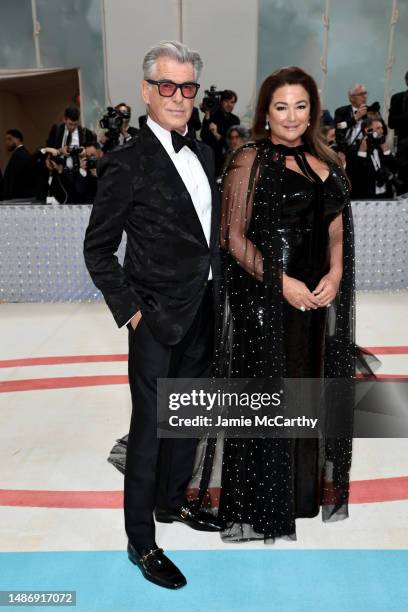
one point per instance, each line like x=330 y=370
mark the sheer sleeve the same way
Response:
x=238 y=188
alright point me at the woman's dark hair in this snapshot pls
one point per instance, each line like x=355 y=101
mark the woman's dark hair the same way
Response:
x=312 y=137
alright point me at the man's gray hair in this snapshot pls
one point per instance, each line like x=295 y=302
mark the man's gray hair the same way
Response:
x=174 y=50
x=353 y=89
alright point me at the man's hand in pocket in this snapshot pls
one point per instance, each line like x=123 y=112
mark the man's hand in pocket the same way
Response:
x=134 y=321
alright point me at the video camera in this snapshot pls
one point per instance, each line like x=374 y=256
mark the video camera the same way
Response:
x=211 y=101
x=112 y=121
x=374 y=108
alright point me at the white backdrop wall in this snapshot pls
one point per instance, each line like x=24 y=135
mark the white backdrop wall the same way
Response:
x=224 y=32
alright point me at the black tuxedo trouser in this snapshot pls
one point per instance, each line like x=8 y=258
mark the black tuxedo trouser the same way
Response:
x=158 y=470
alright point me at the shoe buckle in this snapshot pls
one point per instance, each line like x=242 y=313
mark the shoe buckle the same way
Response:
x=185 y=513
x=150 y=553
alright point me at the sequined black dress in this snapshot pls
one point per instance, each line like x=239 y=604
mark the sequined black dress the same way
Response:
x=274 y=220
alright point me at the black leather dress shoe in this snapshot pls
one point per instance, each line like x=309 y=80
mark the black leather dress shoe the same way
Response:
x=202 y=521
x=156 y=567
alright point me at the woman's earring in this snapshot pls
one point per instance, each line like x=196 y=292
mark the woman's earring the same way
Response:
x=308 y=124
x=267 y=123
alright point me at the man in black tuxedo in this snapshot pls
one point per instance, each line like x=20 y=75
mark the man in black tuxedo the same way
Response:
x=69 y=134
x=348 y=118
x=18 y=176
x=372 y=168
x=160 y=189
x=398 y=121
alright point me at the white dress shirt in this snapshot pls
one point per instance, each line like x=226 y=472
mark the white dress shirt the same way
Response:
x=354 y=132
x=74 y=143
x=191 y=173
x=376 y=161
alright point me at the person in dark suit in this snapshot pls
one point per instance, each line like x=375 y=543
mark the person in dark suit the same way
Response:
x=398 y=121
x=348 y=118
x=69 y=133
x=398 y=115
x=216 y=125
x=160 y=189
x=18 y=176
x=112 y=138
x=373 y=167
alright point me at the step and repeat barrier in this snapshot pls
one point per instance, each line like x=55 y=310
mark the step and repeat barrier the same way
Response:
x=41 y=250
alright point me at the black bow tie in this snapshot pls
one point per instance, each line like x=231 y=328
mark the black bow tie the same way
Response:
x=180 y=141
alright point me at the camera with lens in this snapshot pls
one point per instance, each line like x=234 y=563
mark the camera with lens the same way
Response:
x=91 y=162
x=74 y=153
x=374 y=108
x=374 y=139
x=113 y=119
x=57 y=159
x=211 y=101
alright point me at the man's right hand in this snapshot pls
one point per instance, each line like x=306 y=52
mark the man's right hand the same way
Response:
x=363 y=145
x=362 y=111
x=134 y=321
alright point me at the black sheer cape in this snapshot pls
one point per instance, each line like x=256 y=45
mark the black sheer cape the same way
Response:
x=252 y=196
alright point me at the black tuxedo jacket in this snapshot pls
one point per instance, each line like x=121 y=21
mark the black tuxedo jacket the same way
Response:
x=398 y=116
x=167 y=258
x=56 y=136
x=345 y=113
x=363 y=175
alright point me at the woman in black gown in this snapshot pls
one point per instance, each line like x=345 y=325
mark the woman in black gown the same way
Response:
x=289 y=309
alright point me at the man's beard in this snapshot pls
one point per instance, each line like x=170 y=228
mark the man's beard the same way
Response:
x=11 y=148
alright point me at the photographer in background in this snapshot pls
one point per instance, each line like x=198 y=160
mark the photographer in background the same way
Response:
x=69 y=136
x=69 y=186
x=398 y=121
x=218 y=118
x=117 y=123
x=373 y=166
x=348 y=119
x=86 y=181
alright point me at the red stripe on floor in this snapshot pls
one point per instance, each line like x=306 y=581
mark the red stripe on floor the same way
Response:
x=36 y=361
x=378 y=490
x=61 y=359
x=361 y=492
x=388 y=350
x=69 y=382
x=62 y=499
x=65 y=382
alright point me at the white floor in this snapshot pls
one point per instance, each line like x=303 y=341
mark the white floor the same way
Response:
x=58 y=439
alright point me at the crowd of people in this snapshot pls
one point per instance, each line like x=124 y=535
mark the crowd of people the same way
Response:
x=65 y=170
